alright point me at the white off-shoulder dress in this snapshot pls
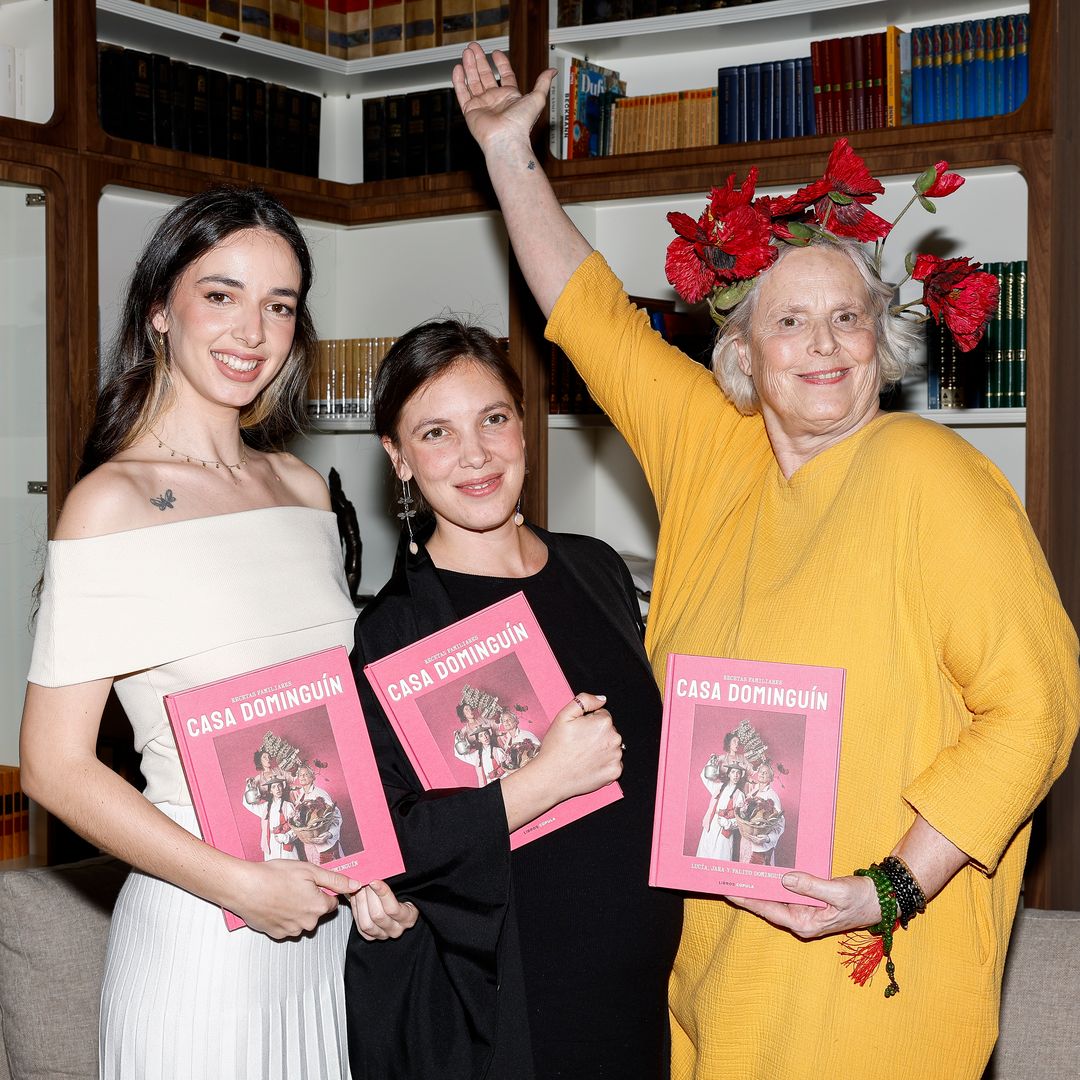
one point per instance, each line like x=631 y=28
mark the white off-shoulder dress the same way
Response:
x=162 y=609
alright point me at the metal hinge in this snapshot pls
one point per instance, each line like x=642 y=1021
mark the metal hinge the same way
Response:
x=37 y=487
x=35 y=198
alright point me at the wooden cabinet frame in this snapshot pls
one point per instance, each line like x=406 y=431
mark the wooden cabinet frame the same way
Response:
x=73 y=161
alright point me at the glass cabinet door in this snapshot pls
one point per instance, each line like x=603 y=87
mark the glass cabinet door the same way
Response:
x=26 y=60
x=23 y=460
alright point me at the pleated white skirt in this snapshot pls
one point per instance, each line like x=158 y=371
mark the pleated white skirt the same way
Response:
x=185 y=999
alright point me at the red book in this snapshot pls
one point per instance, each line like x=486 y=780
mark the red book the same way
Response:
x=818 y=54
x=279 y=766
x=835 y=49
x=746 y=791
x=844 y=75
x=472 y=702
x=874 y=49
x=860 y=81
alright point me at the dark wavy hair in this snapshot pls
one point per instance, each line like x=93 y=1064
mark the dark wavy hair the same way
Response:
x=136 y=383
x=427 y=351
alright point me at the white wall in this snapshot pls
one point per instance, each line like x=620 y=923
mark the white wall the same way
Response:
x=23 y=455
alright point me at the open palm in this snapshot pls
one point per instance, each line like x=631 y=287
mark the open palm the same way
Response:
x=494 y=107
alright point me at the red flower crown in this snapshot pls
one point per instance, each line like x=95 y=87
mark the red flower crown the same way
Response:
x=717 y=257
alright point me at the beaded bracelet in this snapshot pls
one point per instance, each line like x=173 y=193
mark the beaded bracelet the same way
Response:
x=909 y=893
x=863 y=956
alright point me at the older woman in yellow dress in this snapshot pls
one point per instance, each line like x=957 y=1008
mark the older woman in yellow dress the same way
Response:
x=800 y=523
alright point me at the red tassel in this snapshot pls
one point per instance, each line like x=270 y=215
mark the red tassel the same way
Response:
x=862 y=953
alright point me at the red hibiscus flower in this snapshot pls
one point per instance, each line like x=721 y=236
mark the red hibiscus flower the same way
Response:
x=959 y=294
x=937 y=181
x=841 y=196
x=728 y=243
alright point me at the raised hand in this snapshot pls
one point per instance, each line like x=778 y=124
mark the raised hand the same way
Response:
x=494 y=108
x=285 y=898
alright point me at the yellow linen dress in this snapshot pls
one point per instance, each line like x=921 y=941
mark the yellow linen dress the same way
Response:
x=902 y=555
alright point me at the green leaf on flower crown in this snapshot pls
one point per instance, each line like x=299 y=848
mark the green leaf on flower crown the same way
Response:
x=726 y=299
x=925 y=181
x=802 y=233
x=840 y=198
x=926 y=204
x=909 y=262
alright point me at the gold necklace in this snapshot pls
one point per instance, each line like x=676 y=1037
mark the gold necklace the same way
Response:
x=196 y=460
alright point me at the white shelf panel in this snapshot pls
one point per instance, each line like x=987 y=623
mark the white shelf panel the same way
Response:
x=136 y=26
x=762 y=24
x=577 y=421
x=976 y=417
x=340 y=425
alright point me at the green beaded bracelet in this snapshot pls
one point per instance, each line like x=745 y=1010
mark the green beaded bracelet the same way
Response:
x=889 y=919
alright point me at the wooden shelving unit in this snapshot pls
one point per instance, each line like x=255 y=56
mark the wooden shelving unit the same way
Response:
x=73 y=161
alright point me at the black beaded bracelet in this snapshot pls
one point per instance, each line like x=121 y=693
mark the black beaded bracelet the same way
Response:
x=910 y=898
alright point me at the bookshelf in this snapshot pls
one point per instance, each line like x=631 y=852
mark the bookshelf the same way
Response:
x=370 y=234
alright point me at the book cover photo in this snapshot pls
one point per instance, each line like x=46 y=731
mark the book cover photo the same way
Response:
x=472 y=702
x=746 y=788
x=279 y=766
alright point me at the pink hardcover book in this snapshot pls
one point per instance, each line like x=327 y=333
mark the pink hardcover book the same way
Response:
x=279 y=766
x=746 y=789
x=472 y=702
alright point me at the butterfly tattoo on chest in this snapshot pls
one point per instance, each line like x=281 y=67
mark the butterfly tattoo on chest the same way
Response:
x=166 y=501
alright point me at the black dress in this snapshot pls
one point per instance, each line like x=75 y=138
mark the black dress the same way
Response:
x=552 y=961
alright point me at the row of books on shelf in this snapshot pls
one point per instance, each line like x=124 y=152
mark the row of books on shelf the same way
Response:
x=415 y=134
x=154 y=99
x=341 y=381
x=352 y=29
x=890 y=78
x=14 y=815
x=993 y=375
x=960 y=71
x=586 y=12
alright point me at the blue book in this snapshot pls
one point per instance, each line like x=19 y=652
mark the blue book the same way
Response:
x=767 y=99
x=777 y=97
x=727 y=93
x=978 y=69
x=967 y=62
x=744 y=106
x=997 y=68
x=937 y=79
x=1010 y=63
x=918 y=77
x=809 y=120
x=789 y=99
x=1021 y=59
x=753 y=102
x=948 y=96
x=958 y=72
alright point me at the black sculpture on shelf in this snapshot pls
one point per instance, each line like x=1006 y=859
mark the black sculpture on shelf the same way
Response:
x=352 y=546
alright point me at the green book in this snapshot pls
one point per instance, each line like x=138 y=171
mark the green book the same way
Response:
x=1018 y=384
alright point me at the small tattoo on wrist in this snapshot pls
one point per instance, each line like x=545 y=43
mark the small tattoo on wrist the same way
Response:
x=531 y=164
x=166 y=501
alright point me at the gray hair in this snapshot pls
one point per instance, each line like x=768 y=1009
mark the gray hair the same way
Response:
x=897 y=337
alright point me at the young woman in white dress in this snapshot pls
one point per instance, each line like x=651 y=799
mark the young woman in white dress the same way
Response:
x=192 y=549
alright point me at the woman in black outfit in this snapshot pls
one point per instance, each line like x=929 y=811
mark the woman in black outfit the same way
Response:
x=551 y=961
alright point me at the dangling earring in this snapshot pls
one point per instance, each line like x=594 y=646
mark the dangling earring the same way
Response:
x=519 y=519
x=160 y=348
x=407 y=513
